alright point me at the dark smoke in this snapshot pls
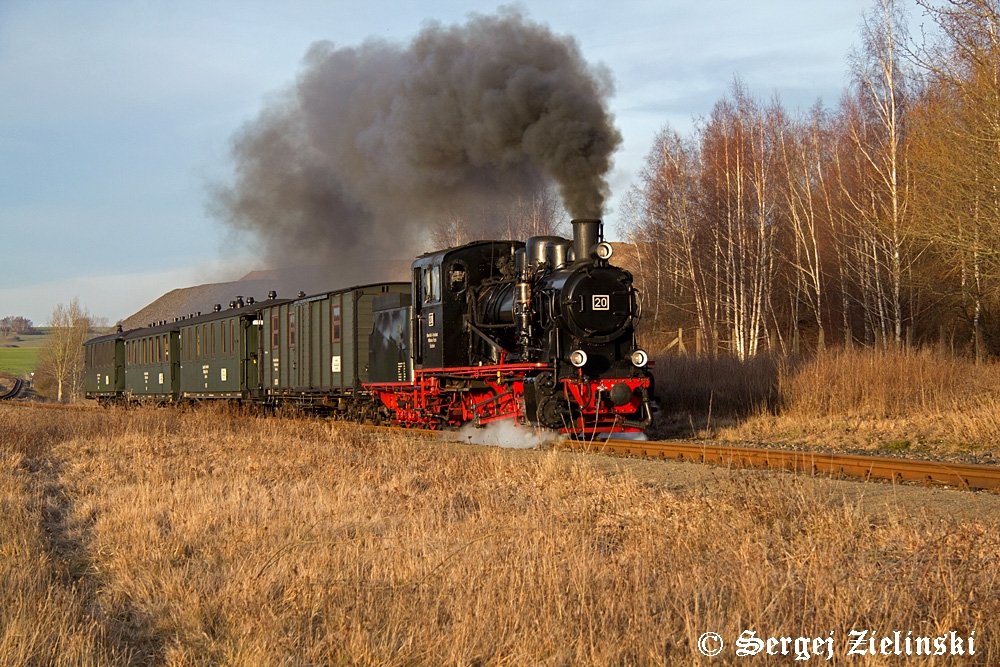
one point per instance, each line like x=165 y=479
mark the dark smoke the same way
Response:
x=374 y=144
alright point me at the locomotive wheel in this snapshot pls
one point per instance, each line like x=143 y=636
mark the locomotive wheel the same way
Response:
x=551 y=411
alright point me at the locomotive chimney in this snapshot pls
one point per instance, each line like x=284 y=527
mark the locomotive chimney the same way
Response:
x=587 y=233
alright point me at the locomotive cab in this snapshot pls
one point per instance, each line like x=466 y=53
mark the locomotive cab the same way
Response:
x=443 y=283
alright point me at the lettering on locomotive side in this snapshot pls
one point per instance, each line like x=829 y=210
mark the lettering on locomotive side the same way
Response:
x=432 y=339
x=602 y=302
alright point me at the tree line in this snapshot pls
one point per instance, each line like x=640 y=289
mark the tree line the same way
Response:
x=16 y=326
x=873 y=223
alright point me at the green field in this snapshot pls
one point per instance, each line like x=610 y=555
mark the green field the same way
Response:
x=19 y=360
x=19 y=354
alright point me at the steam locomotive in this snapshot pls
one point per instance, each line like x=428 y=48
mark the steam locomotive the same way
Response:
x=539 y=332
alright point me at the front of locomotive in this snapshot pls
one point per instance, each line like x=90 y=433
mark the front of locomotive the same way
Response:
x=587 y=311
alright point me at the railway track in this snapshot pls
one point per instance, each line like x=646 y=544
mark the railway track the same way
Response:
x=960 y=475
x=14 y=391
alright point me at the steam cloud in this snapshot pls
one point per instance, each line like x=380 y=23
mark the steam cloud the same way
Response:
x=504 y=433
x=375 y=143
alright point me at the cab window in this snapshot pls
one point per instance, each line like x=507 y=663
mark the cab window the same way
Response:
x=432 y=284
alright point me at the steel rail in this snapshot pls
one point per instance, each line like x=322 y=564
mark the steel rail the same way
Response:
x=961 y=475
x=14 y=391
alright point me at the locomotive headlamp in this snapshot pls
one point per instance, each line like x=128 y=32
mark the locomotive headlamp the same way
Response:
x=639 y=358
x=604 y=250
x=578 y=358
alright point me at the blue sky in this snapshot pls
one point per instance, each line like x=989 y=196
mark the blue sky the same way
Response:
x=115 y=117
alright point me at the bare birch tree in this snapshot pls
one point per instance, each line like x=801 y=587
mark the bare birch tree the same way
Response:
x=62 y=358
x=877 y=133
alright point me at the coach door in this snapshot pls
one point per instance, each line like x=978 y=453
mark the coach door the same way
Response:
x=251 y=366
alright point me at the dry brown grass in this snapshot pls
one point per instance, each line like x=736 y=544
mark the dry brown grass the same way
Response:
x=865 y=399
x=209 y=537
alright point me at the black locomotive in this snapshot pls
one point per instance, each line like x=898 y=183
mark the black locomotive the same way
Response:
x=541 y=332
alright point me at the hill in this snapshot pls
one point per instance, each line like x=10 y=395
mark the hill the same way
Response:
x=285 y=282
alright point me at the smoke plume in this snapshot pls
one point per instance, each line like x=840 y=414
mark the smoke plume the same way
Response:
x=374 y=144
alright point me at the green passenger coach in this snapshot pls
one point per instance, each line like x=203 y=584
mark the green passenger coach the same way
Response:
x=104 y=359
x=316 y=348
x=151 y=364
x=219 y=352
x=311 y=351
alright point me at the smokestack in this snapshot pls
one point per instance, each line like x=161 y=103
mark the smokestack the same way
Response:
x=587 y=232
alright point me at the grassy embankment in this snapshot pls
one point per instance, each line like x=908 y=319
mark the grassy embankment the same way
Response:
x=916 y=401
x=194 y=538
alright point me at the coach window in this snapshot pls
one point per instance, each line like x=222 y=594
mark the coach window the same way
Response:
x=335 y=322
x=225 y=338
x=211 y=333
x=159 y=350
x=145 y=351
x=197 y=342
x=166 y=348
x=232 y=336
x=291 y=329
x=275 y=337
